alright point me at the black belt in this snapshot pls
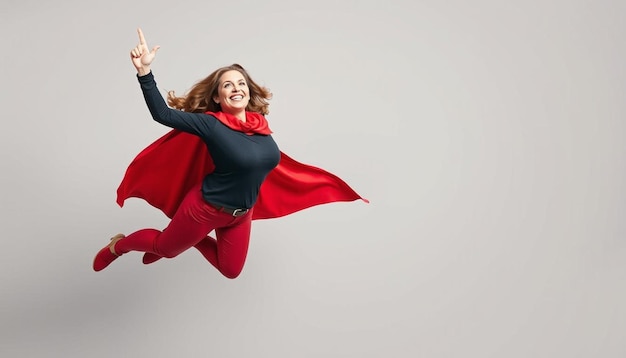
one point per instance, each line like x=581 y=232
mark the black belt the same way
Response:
x=233 y=212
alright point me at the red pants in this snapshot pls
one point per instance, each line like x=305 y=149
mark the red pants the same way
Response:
x=189 y=227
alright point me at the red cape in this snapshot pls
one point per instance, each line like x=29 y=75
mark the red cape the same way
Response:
x=165 y=171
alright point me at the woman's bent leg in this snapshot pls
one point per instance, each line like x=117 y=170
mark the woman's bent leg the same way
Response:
x=192 y=221
x=228 y=253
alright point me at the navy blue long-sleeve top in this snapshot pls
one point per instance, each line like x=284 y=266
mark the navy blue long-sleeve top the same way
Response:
x=241 y=161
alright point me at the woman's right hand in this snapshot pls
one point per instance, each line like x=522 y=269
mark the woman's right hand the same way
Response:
x=141 y=57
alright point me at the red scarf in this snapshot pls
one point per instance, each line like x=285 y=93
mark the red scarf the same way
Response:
x=255 y=122
x=167 y=169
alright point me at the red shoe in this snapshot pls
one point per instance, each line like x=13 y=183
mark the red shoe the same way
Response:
x=149 y=258
x=107 y=255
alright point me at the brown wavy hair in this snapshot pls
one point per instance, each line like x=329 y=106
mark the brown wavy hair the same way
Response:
x=199 y=98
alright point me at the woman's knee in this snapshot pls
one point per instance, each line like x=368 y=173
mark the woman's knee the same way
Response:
x=167 y=251
x=231 y=272
x=170 y=245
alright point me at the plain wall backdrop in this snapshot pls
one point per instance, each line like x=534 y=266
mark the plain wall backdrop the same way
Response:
x=488 y=135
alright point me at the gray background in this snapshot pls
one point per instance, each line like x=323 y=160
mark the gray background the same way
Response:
x=488 y=135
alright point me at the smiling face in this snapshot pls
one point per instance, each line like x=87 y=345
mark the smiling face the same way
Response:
x=233 y=93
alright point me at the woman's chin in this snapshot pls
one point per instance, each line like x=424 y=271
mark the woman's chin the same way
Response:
x=234 y=109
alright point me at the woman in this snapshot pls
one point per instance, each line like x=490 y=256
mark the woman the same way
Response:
x=210 y=171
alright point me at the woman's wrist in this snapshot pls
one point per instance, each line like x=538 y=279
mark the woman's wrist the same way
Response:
x=143 y=71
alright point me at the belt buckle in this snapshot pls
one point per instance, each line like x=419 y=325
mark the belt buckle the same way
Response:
x=238 y=212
